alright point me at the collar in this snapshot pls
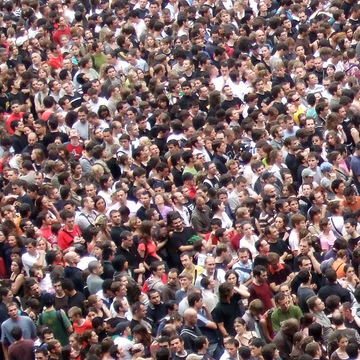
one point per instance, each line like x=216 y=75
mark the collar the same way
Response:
x=281 y=266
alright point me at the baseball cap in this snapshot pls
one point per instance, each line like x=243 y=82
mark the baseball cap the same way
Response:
x=325 y=166
x=254 y=46
x=308 y=172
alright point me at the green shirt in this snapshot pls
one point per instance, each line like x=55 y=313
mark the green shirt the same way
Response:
x=99 y=60
x=278 y=316
x=50 y=319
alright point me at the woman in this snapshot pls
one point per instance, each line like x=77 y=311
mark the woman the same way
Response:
x=100 y=204
x=249 y=238
x=38 y=158
x=134 y=225
x=160 y=202
x=104 y=114
x=340 y=353
x=336 y=159
x=327 y=237
x=17 y=278
x=78 y=178
x=281 y=224
x=142 y=336
x=330 y=71
x=287 y=190
x=350 y=281
x=64 y=155
x=89 y=338
x=13 y=241
x=147 y=246
x=218 y=209
x=110 y=43
x=243 y=335
x=43 y=244
x=340 y=263
x=75 y=341
x=101 y=309
x=97 y=171
x=232 y=277
x=106 y=183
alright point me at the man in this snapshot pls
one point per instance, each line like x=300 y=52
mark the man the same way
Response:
x=79 y=323
x=219 y=148
x=19 y=140
x=32 y=257
x=284 y=310
x=71 y=233
x=86 y=217
x=349 y=318
x=156 y=310
x=24 y=322
x=18 y=187
x=282 y=339
x=94 y=281
x=170 y=288
x=178 y=205
x=72 y=272
x=201 y=217
x=56 y=320
x=351 y=201
x=278 y=272
x=244 y=267
x=60 y=298
x=190 y=331
x=21 y=349
x=155 y=281
x=178 y=241
x=316 y=306
x=210 y=270
x=189 y=266
x=231 y=349
x=259 y=288
x=177 y=345
x=332 y=287
x=75 y=298
x=268 y=215
x=146 y=204
x=139 y=313
x=129 y=251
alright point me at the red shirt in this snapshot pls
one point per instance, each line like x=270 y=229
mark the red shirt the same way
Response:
x=58 y=33
x=56 y=63
x=261 y=292
x=75 y=150
x=85 y=326
x=66 y=238
x=11 y=118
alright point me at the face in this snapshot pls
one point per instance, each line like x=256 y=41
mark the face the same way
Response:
x=232 y=350
x=284 y=305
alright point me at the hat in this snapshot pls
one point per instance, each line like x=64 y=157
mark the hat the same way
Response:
x=104 y=1
x=325 y=166
x=20 y=40
x=267 y=175
x=194 y=357
x=47 y=299
x=254 y=46
x=308 y=172
x=120 y=327
x=74 y=133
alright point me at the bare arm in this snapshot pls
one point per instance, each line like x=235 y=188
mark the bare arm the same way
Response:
x=222 y=329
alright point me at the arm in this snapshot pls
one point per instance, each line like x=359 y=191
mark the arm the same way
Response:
x=17 y=284
x=5 y=351
x=222 y=329
x=40 y=262
x=314 y=262
x=242 y=291
x=274 y=287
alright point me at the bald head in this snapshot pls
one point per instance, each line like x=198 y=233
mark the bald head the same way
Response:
x=71 y=258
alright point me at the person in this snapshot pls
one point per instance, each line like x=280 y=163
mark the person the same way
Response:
x=24 y=322
x=20 y=349
x=284 y=311
x=259 y=288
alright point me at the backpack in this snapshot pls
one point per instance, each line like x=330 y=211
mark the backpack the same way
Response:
x=59 y=317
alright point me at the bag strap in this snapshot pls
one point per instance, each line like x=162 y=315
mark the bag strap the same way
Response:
x=332 y=221
x=60 y=318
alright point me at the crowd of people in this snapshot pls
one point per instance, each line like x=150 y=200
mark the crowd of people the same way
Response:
x=179 y=180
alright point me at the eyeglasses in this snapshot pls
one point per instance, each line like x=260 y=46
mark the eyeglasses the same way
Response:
x=296 y=99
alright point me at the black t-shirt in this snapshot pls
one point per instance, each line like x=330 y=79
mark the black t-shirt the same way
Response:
x=177 y=240
x=226 y=313
x=50 y=137
x=132 y=256
x=234 y=103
